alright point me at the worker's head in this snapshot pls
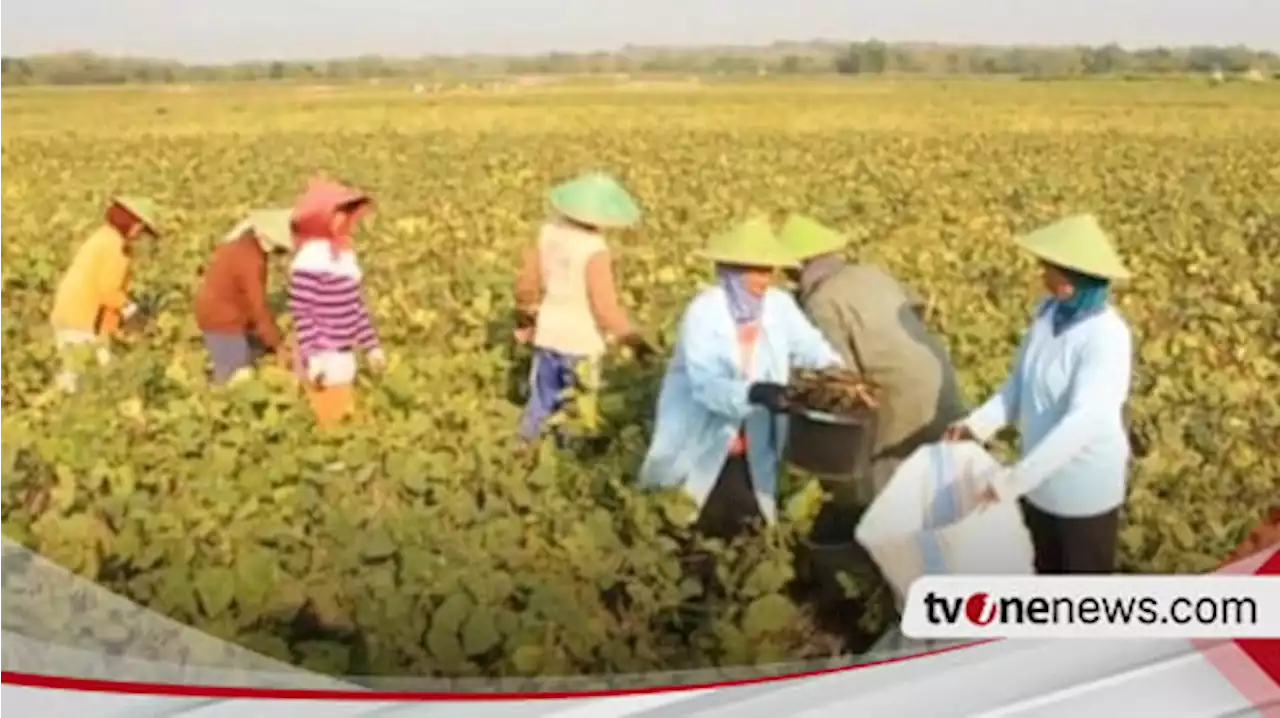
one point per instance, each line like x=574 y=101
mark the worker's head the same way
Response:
x=813 y=269
x=753 y=280
x=127 y=222
x=1068 y=285
x=346 y=215
x=1077 y=260
x=745 y=259
x=744 y=287
x=270 y=247
x=575 y=223
x=594 y=201
x=329 y=210
x=269 y=229
x=814 y=245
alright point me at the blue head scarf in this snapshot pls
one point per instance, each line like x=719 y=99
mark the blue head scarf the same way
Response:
x=745 y=307
x=1088 y=298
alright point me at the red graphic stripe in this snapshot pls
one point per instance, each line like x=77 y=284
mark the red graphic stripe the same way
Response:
x=1251 y=665
x=1265 y=651
x=96 y=685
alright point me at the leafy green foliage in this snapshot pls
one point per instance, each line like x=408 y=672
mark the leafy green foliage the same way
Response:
x=418 y=539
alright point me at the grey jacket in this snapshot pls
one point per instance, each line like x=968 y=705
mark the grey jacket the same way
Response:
x=874 y=322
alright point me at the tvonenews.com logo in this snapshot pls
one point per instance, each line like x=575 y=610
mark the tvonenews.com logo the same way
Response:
x=981 y=608
x=1122 y=606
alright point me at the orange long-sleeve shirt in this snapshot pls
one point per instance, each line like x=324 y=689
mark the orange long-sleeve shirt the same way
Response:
x=95 y=286
x=233 y=294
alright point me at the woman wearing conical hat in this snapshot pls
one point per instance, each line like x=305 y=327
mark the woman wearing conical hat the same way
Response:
x=566 y=299
x=873 y=322
x=718 y=432
x=1066 y=392
x=326 y=298
x=93 y=297
x=231 y=304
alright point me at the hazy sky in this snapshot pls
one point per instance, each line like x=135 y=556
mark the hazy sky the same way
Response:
x=220 y=30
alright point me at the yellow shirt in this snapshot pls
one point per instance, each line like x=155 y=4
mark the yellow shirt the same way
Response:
x=95 y=285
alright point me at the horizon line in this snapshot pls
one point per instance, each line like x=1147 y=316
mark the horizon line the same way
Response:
x=630 y=48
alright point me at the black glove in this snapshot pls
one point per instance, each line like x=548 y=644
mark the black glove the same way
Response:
x=771 y=396
x=525 y=320
x=639 y=346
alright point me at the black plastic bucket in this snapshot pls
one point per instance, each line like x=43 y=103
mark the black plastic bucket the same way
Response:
x=832 y=447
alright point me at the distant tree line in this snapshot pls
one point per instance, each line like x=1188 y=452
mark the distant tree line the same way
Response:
x=794 y=58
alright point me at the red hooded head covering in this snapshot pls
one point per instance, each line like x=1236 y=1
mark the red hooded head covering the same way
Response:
x=314 y=211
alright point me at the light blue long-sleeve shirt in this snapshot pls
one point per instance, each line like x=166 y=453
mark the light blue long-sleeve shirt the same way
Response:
x=703 y=402
x=1066 y=394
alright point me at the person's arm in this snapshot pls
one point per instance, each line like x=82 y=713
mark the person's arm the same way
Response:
x=602 y=295
x=1002 y=407
x=714 y=383
x=528 y=288
x=366 y=334
x=251 y=279
x=1099 y=389
x=810 y=347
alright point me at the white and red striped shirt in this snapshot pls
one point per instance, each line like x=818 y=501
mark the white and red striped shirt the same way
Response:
x=326 y=300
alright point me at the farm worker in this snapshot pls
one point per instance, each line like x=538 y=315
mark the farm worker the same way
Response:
x=873 y=321
x=326 y=298
x=566 y=299
x=1066 y=391
x=231 y=304
x=718 y=432
x=93 y=298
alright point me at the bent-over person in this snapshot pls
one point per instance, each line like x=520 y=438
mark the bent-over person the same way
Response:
x=93 y=299
x=876 y=325
x=231 y=304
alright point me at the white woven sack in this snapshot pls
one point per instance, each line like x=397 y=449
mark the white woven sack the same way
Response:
x=927 y=520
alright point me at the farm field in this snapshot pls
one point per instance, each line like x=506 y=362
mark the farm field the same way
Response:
x=413 y=542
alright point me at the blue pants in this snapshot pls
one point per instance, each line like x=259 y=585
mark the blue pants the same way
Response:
x=229 y=352
x=551 y=374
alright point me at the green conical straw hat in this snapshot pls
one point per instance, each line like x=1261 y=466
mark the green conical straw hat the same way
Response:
x=271 y=226
x=1078 y=243
x=750 y=244
x=595 y=199
x=144 y=208
x=806 y=238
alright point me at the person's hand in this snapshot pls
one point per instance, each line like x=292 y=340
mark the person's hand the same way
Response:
x=284 y=355
x=315 y=373
x=639 y=346
x=958 y=432
x=526 y=322
x=995 y=486
x=769 y=395
x=525 y=319
x=988 y=495
x=377 y=360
